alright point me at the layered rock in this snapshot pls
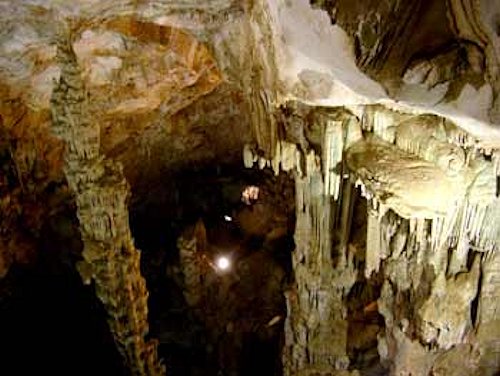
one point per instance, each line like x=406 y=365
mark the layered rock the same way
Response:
x=110 y=259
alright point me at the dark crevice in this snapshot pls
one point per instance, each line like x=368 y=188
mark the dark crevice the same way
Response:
x=474 y=305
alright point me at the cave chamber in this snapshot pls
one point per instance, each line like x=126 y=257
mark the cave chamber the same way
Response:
x=225 y=187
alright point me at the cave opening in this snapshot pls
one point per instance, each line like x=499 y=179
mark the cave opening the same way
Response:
x=211 y=320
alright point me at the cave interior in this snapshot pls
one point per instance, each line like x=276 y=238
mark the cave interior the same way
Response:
x=267 y=187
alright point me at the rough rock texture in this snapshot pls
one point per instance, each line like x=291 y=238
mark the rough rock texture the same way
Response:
x=177 y=83
x=31 y=183
x=110 y=258
x=432 y=235
x=433 y=263
x=316 y=329
x=419 y=56
x=147 y=76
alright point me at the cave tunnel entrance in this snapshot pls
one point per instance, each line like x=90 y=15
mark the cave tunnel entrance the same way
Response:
x=211 y=321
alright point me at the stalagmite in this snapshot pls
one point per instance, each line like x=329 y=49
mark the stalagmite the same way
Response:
x=317 y=334
x=110 y=258
x=443 y=315
x=488 y=332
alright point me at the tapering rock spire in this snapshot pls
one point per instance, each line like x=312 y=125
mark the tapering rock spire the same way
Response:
x=110 y=259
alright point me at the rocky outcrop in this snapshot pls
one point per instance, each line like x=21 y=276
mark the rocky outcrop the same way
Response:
x=110 y=259
x=434 y=237
x=413 y=57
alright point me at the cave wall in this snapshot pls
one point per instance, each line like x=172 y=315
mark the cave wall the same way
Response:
x=174 y=84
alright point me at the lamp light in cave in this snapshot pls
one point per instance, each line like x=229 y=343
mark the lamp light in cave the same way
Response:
x=228 y=218
x=223 y=263
x=250 y=194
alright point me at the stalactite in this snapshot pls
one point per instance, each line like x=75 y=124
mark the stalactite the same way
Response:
x=353 y=132
x=317 y=336
x=316 y=329
x=383 y=125
x=262 y=163
x=382 y=121
x=332 y=156
x=426 y=137
x=423 y=237
x=346 y=213
x=288 y=157
x=247 y=156
x=496 y=161
x=457 y=136
x=444 y=314
x=435 y=260
x=443 y=320
x=373 y=243
x=275 y=162
x=110 y=258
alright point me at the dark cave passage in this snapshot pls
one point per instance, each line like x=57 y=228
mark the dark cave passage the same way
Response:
x=51 y=324
x=235 y=327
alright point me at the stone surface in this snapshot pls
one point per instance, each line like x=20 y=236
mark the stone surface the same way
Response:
x=109 y=256
x=401 y=98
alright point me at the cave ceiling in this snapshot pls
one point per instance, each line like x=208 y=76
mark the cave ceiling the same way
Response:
x=102 y=102
x=149 y=65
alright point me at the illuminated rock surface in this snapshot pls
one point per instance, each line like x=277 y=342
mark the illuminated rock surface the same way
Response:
x=155 y=116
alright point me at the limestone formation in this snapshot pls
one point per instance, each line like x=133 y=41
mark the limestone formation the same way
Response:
x=386 y=114
x=316 y=329
x=110 y=259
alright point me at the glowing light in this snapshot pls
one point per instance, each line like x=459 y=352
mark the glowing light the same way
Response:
x=250 y=194
x=223 y=263
x=228 y=218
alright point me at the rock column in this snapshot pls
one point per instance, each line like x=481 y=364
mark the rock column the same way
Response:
x=110 y=259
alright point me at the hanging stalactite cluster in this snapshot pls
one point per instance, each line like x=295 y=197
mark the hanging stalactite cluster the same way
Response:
x=110 y=259
x=316 y=330
x=432 y=232
x=435 y=238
